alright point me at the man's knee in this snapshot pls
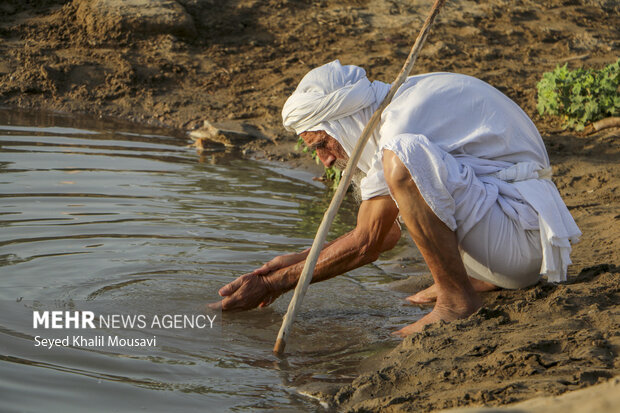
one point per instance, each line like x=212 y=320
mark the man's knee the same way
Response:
x=395 y=172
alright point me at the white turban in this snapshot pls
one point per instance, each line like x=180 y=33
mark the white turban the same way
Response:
x=339 y=100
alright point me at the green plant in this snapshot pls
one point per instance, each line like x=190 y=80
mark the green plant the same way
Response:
x=580 y=96
x=331 y=174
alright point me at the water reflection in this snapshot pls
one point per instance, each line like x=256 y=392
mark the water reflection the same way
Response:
x=94 y=213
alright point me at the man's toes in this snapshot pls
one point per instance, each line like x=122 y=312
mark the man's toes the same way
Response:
x=409 y=330
x=420 y=298
x=400 y=333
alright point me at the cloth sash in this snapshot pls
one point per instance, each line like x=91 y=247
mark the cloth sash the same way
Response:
x=557 y=227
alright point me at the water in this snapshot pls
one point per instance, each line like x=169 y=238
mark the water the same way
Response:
x=97 y=214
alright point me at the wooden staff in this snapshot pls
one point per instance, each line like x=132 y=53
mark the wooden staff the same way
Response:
x=330 y=214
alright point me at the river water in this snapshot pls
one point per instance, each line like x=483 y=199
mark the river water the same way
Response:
x=96 y=214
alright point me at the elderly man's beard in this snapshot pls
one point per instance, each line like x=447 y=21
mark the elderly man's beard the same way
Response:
x=357 y=177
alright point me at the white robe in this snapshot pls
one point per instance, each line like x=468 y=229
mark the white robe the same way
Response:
x=470 y=150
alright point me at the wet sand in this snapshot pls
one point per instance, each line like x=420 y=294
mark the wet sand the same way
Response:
x=178 y=63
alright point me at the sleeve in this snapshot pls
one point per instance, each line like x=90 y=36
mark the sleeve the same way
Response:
x=374 y=184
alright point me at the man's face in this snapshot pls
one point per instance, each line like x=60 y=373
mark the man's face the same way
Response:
x=329 y=151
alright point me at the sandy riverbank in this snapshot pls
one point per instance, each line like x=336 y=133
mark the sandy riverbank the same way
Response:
x=176 y=63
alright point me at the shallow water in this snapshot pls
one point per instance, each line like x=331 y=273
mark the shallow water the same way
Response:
x=95 y=213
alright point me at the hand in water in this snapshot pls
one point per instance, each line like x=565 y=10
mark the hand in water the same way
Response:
x=255 y=289
x=246 y=292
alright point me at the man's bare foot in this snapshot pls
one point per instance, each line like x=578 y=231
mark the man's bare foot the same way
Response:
x=429 y=295
x=441 y=312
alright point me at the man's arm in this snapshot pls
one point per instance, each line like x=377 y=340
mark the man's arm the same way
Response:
x=376 y=231
x=286 y=260
x=375 y=221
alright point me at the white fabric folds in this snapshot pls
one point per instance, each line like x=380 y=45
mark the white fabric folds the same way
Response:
x=330 y=92
x=339 y=100
x=557 y=227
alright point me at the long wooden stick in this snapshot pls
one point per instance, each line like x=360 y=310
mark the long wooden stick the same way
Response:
x=330 y=214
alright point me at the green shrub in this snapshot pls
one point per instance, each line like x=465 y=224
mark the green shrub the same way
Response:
x=332 y=174
x=580 y=96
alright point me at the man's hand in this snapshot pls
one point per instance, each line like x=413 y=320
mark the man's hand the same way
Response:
x=247 y=292
x=255 y=289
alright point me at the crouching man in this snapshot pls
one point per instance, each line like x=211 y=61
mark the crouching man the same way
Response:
x=461 y=163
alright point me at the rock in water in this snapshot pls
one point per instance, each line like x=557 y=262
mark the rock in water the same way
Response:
x=231 y=133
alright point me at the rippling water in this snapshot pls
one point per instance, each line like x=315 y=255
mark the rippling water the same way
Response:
x=102 y=213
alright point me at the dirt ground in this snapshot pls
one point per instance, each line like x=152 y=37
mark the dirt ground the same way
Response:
x=177 y=63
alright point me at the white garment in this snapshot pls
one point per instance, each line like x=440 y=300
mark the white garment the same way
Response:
x=499 y=251
x=468 y=147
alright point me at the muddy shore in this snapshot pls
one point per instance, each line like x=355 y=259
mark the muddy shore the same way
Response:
x=177 y=63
